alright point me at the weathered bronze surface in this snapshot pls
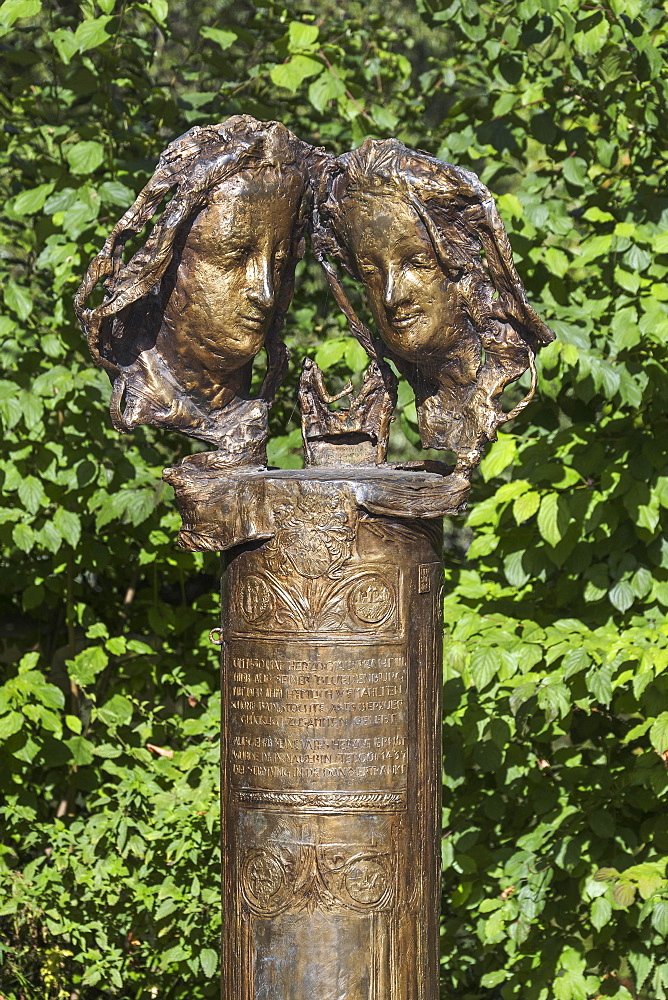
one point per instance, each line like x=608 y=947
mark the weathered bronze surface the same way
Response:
x=331 y=765
x=332 y=596
x=332 y=579
x=183 y=319
x=427 y=242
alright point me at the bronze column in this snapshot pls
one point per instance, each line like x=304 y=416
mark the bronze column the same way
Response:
x=331 y=681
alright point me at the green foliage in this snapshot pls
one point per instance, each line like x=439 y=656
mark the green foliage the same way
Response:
x=556 y=728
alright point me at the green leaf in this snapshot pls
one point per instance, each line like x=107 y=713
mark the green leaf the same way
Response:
x=601 y=911
x=23 y=536
x=621 y=596
x=570 y=986
x=65 y=44
x=116 y=193
x=623 y=893
x=574 y=661
x=641 y=582
x=302 y=36
x=606 y=875
x=49 y=537
x=87 y=664
x=330 y=352
x=116 y=712
x=658 y=734
x=491 y=979
x=483 y=667
x=159 y=9
x=84 y=157
x=660 y=918
x=575 y=170
x=31 y=493
x=166 y=908
x=223 y=39
x=499 y=457
x=599 y=682
x=32 y=201
x=68 y=525
x=384 y=118
x=17 y=299
x=554 y=699
x=356 y=357
x=73 y=722
x=14 y=10
x=209 y=961
x=81 y=750
x=326 y=88
x=10 y=724
x=514 y=570
x=526 y=506
x=589 y=42
x=641 y=964
x=292 y=73
x=553 y=518
x=89 y=35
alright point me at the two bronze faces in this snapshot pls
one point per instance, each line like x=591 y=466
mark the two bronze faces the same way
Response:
x=182 y=320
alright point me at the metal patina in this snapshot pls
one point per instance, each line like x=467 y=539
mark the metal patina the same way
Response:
x=332 y=579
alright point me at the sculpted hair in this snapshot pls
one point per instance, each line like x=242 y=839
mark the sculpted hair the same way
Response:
x=191 y=167
x=457 y=211
x=500 y=329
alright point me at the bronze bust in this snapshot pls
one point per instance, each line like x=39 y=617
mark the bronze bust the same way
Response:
x=183 y=319
x=426 y=240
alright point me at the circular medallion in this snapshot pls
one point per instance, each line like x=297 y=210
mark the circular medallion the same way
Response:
x=262 y=878
x=371 y=600
x=310 y=555
x=366 y=881
x=256 y=599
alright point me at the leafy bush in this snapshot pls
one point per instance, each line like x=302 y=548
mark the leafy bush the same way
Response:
x=556 y=728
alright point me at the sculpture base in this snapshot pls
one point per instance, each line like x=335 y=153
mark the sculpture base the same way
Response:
x=331 y=681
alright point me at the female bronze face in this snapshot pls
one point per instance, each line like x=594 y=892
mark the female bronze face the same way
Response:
x=183 y=319
x=232 y=266
x=426 y=240
x=408 y=292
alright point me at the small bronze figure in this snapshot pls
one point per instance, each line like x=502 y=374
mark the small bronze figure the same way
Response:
x=427 y=242
x=181 y=322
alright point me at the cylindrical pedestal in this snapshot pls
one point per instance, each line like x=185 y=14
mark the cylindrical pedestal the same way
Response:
x=331 y=683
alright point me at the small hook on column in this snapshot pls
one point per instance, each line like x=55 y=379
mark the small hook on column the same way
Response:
x=216 y=636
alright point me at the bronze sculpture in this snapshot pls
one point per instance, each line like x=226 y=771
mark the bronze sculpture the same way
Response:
x=427 y=242
x=332 y=579
x=183 y=319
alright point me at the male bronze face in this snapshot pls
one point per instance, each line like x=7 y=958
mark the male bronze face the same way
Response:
x=426 y=241
x=183 y=319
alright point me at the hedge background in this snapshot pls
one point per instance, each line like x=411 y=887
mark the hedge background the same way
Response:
x=555 y=836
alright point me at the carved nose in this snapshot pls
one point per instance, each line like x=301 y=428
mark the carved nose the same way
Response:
x=391 y=291
x=262 y=288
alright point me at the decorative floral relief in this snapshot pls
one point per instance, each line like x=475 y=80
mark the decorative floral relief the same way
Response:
x=320 y=877
x=307 y=583
x=360 y=602
x=314 y=536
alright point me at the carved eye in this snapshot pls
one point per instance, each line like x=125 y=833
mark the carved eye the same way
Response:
x=419 y=261
x=237 y=255
x=366 y=270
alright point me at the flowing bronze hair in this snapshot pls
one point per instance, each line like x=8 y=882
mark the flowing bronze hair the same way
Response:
x=191 y=167
x=471 y=246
